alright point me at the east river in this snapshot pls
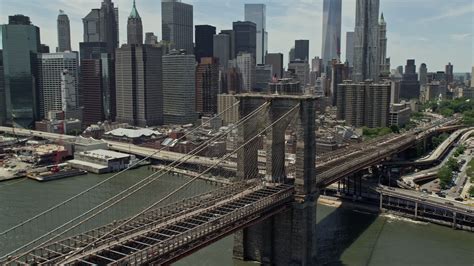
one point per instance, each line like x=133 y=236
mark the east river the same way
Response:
x=345 y=236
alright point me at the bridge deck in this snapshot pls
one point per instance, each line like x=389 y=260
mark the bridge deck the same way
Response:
x=169 y=232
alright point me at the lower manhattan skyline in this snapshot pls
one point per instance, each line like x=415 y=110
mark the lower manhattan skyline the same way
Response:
x=215 y=133
x=413 y=26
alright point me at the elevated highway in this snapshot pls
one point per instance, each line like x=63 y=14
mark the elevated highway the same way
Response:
x=429 y=200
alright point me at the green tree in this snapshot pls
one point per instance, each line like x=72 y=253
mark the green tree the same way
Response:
x=453 y=164
x=445 y=175
x=446 y=112
x=395 y=129
x=439 y=139
x=459 y=151
x=468 y=118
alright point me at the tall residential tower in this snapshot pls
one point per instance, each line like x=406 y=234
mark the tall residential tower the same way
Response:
x=366 y=63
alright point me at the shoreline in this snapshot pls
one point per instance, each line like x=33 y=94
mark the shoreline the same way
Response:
x=336 y=202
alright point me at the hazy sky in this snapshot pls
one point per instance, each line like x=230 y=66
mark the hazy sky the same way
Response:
x=431 y=31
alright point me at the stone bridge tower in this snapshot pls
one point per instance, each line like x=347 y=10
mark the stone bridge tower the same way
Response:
x=289 y=238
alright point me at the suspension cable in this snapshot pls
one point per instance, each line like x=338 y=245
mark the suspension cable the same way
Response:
x=79 y=250
x=146 y=182
x=107 y=179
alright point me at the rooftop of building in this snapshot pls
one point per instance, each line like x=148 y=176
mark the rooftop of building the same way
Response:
x=87 y=141
x=105 y=154
x=133 y=133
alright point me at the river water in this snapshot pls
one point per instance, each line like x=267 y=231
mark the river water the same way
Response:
x=345 y=237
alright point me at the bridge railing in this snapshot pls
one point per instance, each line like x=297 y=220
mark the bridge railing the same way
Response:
x=199 y=233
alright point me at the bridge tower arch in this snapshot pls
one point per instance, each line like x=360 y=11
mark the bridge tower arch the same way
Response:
x=288 y=238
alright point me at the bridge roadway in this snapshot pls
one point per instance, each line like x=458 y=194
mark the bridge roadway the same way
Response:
x=438 y=153
x=39 y=134
x=166 y=234
x=429 y=200
x=337 y=169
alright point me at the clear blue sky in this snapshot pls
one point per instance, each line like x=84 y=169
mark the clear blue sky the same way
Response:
x=431 y=31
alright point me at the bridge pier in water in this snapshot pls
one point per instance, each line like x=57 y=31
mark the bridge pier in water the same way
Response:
x=289 y=237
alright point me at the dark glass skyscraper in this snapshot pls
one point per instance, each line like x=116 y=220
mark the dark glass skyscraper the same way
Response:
x=331 y=46
x=423 y=74
x=20 y=42
x=101 y=25
x=64 y=33
x=302 y=50
x=410 y=86
x=204 y=41
x=177 y=24
x=245 y=37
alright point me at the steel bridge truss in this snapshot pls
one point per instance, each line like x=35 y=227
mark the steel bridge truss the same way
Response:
x=168 y=233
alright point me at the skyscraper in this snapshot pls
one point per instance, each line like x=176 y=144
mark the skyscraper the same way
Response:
x=340 y=72
x=64 y=33
x=245 y=37
x=366 y=63
x=263 y=76
x=410 y=86
x=179 y=88
x=177 y=24
x=246 y=64
x=472 y=77
x=231 y=34
x=101 y=25
x=449 y=73
x=221 y=50
x=151 y=38
x=50 y=79
x=2 y=92
x=301 y=70
x=134 y=27
x=291 y=54
x=139 y=91
x=331 y=46
x=423 y=74
x=207 y=86
x=364 y=104
x=276 y=61
x=20 y=43
x=350 y=48
x=138 y=68
x=256 y=13
x=302 y=50
x=382 y=51
x=204 y=41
